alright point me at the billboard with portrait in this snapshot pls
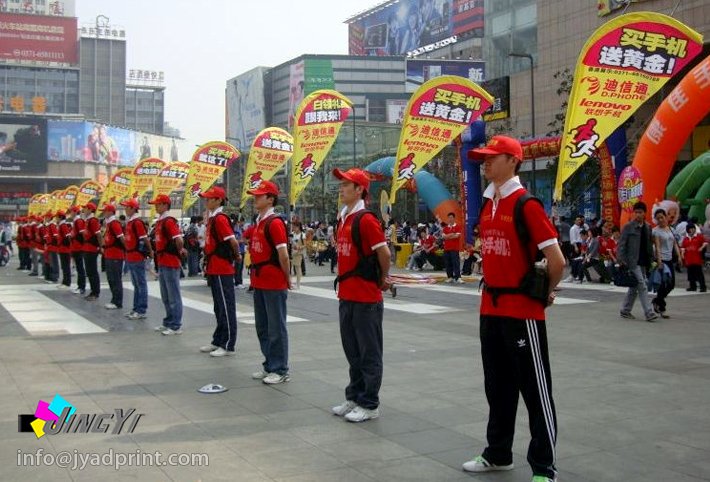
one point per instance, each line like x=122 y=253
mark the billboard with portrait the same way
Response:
x=101 y=143
x=23 y=145
x=245 y=107
x=403 y=27
x=500 y=90
x=419 y=71
x=38 y=38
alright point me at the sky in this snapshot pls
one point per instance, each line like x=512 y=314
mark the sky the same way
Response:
x=201 y=44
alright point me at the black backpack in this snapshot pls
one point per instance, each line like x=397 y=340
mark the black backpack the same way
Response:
x=534 y=284
x=171 y=247
x=368 y=267
x=224 y=248
x=274 y=258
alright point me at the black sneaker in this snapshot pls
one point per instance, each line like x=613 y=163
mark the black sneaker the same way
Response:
x=627 y=315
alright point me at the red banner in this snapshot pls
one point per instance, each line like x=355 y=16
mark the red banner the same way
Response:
x=610 y=201
x=38 y=38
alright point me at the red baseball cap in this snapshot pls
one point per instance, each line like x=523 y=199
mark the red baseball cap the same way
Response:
x=161 y=199
x=60 y=213
x=109 y=207
x=75 y=209
x=214 y=192
x=265 y=187
x=357 y=176
x=48 y=214
x=131 y=203
x=498 y=145
x=91 y=207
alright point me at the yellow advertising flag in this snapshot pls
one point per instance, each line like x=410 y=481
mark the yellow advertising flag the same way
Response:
x=271 y=149
x=33 y=208
x=42 y=203
x=68 y=197
x=436 y=114
x=88 y=191
x=208 y=162
x=318 y=120
x=118 y=187
x=622 y=65
x=53 y=200
x=172 y=177
x=143 y=175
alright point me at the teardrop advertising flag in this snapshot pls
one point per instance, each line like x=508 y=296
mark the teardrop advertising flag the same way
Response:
x=318 y=120
x=622 y=65
x=208 y=163
x=436 y=114
x=143 y=175
x=270 y=150
x=88 y=191
x=172 y=177
x=67 y=198
x=42 y=203
x=33 y=208
x=117 y=187
x=54 y=200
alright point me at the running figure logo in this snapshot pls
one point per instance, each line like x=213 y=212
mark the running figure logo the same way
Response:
x=585 y=139
x=406 y=167
x=307 y=166
x=254 y=180
x=195 y=190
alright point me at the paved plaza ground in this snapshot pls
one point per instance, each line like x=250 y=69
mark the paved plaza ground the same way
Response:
x=633 y=398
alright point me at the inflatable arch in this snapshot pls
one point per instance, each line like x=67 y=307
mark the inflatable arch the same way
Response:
x=668 y=131
x=693 y=178
x=430 y=189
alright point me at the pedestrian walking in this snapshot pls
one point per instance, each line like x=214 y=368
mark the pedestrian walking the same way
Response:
x=64 y=249
x=271 y=280
x=363 y=267
x=138 y=249
x=221 y=251
x=665 y=247
x=90 y=248
x=635 y=253
x=169 y=250
x=113 y=251
x=514 y=351
x=694 y=245
x=452 y=249
x=77 y=249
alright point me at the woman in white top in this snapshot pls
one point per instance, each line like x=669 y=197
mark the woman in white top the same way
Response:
x=298 y=246
x=665 y=245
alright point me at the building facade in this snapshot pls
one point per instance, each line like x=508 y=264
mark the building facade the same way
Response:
x=145 y=108
x=103 y=79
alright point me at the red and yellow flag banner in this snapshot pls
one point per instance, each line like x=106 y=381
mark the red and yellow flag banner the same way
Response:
x=67 y=198
x=436 y=114
x=118 y=187
x=270 y=150
x=88 y=191
x=42 y=204
x=34 y=207
x=208 y=163
x=53 y=200
x=172 y=177
x=143 y=175
x=625 y=62
x=318 y=120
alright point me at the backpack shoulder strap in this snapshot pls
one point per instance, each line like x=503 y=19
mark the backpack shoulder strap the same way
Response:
x=521 y=227
x=357 y=240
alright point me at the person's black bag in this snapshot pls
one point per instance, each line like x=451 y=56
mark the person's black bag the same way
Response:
x=624 y=277
x=368 y=267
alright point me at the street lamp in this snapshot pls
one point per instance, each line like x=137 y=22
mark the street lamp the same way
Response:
x=532 y=105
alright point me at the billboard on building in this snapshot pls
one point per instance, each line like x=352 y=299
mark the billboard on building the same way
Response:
x=500 y=90
x=37 y=38
x=395 y=110
x=96 y=142
x=412 y=27
x=23 y=145
x=305 y=77
x=419 y=71
x=245 y=107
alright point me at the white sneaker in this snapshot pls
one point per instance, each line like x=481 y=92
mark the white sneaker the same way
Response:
x=208 y=348
x=160 y=328
x=568 y=279
x=128 y=314
x=221 y=352
x=360 y=414
x=460 y=281
x=136 y=316
x=479 y=464
x=344 y=408
x=275 y=378
x=77 y=291
x=110 y=306
x=449 y=280
x=170 y=332
x=241 y=287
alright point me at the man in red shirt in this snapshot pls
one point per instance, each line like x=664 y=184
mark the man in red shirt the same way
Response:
x=113 y=249
x=693 y=245
x=90 y=248
x=169 y=249
x=77 y=251
x=362 y=277
x=221 y=250
x=512 y=324
x=64 y=249
x=137 y=249
x=452 y=248
x=271 y=280
x=51 y=240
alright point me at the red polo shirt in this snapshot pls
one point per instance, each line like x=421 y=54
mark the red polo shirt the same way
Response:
x=371 y=237
x=270 y=277
x=166 y=229
x=453 y=244
x=92 y=228
x=135 y=231
x=78 y=226
x=113 y=231
x=693 y=256
x=52 y=237
x=504 y=260
x=64 y=236
x=220 y=225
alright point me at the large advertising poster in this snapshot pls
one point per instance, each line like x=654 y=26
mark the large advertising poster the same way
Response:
x=23 y=145
x=411 y=27
x=36 y=38
x=245 y=107
x=96 y=142
x=296 y=89
x=420 y=71
x=500 y=90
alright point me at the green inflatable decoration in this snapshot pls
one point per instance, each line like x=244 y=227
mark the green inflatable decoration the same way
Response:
x=695 y=177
